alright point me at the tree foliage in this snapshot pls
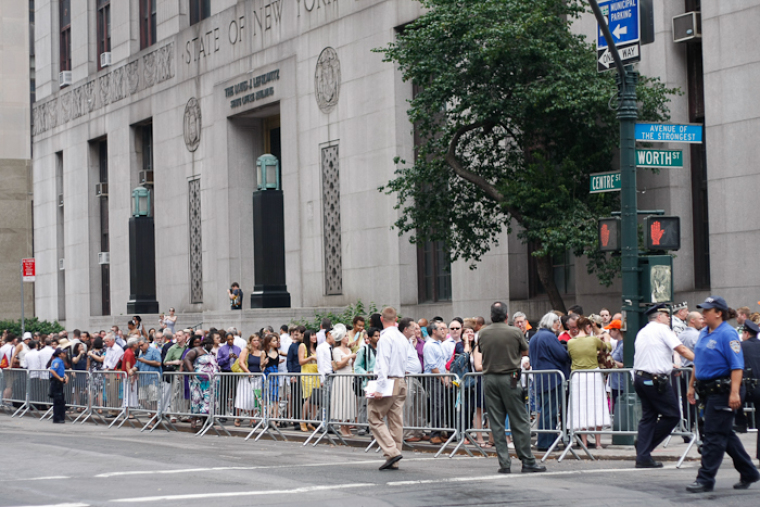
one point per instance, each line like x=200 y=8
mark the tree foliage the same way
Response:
x=32 y=325
x=513 y=118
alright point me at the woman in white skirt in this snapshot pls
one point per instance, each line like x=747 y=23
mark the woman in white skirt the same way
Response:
x=343 y=402
x=588 y=396
x=248 y=397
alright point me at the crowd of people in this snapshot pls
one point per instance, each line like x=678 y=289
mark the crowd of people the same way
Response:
x=295 y=364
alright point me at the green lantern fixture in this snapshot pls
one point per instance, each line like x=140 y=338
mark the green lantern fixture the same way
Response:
x=141 y=202
x=268 y=172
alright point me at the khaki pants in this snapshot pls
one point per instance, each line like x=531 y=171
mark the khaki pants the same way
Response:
x=390 y=438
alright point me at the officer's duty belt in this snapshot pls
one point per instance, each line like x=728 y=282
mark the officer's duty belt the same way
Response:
x=650 y=376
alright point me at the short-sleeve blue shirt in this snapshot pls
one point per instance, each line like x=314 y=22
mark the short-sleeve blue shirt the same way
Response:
x=717 y=353
x=58 y=367
x=150 y=355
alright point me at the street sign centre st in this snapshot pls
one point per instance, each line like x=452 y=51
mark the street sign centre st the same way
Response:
x=604 y=182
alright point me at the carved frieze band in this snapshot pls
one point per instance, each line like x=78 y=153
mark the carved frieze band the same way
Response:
x=121 y=82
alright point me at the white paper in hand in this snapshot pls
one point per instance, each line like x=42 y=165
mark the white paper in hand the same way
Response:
x=371 y=388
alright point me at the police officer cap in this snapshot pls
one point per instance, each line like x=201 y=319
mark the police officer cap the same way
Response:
x=714 y=302
x=751 y=327
x=662 y=307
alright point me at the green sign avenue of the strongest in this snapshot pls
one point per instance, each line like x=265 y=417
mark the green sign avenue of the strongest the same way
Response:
x=659 y=158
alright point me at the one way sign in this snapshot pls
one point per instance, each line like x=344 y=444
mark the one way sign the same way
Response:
x=622 y=17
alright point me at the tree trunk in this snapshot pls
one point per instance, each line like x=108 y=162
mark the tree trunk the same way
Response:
x=546 y=275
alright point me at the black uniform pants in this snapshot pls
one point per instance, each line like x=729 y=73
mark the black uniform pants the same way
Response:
x=718 y=438
x=59 y=400
x=659 y=415
x=741 y=416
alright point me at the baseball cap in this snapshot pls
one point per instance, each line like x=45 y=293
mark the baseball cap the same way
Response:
x=714 y=302
x=615 y=324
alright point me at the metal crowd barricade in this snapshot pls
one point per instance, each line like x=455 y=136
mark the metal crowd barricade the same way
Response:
x=433 y=408
x=348 y=402
x=312 y=409
x=548 y=388
x=14 y=388
x=177 y=402
x=106 y=396
x=142 y=398
x=39 y=401
x=588 y=412
x=76 y=393
x=238 y=397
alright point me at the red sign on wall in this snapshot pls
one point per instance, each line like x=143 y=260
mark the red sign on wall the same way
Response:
x=29 y=269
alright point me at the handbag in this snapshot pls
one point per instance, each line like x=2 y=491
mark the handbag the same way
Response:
x=604 y=359
x=236 y=366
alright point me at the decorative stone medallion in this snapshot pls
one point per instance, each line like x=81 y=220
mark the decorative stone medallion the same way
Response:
x=327 y=80
x=192 y=124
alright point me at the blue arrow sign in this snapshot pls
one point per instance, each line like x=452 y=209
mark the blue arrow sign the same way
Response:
x=664 y=133
x=623 y=19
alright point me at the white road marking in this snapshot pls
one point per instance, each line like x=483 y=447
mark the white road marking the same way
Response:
x=238 y=493
x=539 y=475
x=51 y=478
x=217 y=469
x=311 y=489
x=59 y=505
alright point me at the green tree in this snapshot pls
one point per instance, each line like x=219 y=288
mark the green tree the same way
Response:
x=513 y=118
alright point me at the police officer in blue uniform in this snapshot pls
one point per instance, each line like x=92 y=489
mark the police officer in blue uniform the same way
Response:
x=718 y=372
x=751 y=351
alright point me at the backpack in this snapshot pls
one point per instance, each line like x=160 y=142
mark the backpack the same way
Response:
x=460 y=366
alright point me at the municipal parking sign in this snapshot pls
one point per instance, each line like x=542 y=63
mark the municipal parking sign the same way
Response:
x=623 y=20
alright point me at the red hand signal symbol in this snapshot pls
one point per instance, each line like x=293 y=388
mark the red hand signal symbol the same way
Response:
x=605 y=235
x=656 y=233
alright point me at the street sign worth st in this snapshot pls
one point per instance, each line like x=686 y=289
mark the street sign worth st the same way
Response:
x=659 y=158
x=623 y=19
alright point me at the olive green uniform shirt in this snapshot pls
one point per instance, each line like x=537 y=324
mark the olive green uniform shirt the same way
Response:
x=502 y=346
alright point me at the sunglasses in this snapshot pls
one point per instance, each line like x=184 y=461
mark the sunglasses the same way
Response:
x=455 y=328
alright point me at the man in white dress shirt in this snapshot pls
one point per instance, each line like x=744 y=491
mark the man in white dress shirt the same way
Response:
x=390 y=366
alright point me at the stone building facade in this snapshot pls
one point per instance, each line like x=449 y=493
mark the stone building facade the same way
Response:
x=194 y=91
x=15 y=158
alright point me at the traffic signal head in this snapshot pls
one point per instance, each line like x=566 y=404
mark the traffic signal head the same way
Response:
x=662 y=233
x=609 y=234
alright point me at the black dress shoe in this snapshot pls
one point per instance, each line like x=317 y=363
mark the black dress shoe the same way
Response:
x=649 y=464
x=530 y=469
x=388 y=464
x=745 y=484
x=698 y=487
x=505 y=471
x=740 y=428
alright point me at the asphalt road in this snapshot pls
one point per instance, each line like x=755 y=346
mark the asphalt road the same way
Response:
x=86 y=465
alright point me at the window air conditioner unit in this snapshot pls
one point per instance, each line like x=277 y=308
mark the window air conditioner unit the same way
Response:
x=146 y=177
x=687 y=27
x=60 y=200
x=64 y=78
x=104 y=257
x=101 y=189
x=60 y=264
x=105 y=59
